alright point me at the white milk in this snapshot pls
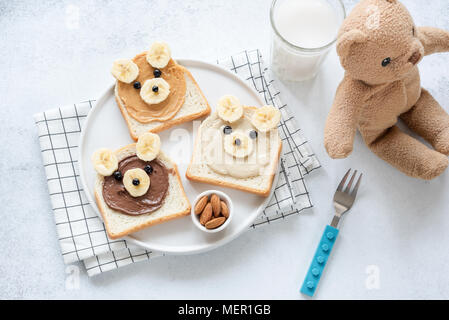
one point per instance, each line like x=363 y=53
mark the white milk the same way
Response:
x=308 y=24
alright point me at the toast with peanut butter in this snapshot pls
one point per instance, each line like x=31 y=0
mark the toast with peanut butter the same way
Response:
x=155 y=93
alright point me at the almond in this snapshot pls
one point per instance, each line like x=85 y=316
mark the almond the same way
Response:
x=224 y=209
x=216 y=207
x=206 y=214
x=199 y=207
x=215 y=223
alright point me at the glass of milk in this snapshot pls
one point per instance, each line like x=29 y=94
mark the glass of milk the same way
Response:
x=303 y=33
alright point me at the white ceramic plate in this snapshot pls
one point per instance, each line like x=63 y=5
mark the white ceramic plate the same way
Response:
x=105 y=127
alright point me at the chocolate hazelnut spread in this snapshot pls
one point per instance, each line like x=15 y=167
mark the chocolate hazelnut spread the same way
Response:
x=167 y=109
x=117 y=198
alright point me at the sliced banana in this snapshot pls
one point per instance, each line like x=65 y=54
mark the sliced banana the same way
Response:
x=266 y=118
x=148 y=146
x=238 y=144
x=155 y=91
x=125 y=70
x=229 y=108
x=136 y=182
x=105 y=162
x=159 y=55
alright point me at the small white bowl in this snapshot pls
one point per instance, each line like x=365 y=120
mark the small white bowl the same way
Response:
x=223 y=197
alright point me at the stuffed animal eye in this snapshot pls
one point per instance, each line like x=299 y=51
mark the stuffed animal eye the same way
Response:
x=386 y=62
x=414 y=31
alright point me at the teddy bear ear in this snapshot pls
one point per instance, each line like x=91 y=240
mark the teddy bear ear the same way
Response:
x=348 y=39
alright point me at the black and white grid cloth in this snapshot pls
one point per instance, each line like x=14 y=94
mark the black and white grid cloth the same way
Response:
x=81 y=232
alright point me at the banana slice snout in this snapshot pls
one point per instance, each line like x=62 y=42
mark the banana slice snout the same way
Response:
x=136 y=182
x=229 y=109
x=159 y=55
x=155 y=91
x=266 y=118
x=238 y=144
x=105 y=162
x=125 y=70
x=148 y=146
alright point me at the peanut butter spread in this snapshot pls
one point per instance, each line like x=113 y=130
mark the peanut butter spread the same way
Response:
x=167 y=109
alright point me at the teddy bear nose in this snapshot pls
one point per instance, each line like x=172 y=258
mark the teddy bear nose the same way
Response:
x=416 y=56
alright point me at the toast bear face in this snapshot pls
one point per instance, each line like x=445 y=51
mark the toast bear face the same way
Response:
x=240 y=142
x=133 y=180
x=378 y=42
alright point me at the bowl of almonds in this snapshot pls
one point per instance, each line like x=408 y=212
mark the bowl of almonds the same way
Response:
x=212 y=211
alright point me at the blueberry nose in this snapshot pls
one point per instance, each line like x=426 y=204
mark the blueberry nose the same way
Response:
x=416 y=56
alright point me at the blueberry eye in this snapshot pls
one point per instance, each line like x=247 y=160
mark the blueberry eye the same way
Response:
x=118 y=176
x=386 y=62
x=157 y=73
x=253 y=134
x=148 y=169
x=227 y=130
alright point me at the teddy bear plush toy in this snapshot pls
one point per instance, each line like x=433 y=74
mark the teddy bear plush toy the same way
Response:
x=379 y=48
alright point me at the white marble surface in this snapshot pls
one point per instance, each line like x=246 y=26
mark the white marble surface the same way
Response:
x=52 y=58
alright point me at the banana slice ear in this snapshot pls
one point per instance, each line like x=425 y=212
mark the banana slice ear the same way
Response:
x=148 y=146
x=125 y=70
x=159 y=55
x=105 y=162
x=266 y=118
x=229 y=109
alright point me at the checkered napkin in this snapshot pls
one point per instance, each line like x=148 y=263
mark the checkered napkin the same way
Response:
x=81 y=232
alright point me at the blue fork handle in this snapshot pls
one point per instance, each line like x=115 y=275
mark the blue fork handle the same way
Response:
x=319 y=261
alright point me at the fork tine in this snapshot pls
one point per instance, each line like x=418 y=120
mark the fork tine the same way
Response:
x=354 y=192
x=348 y=188
x=343 y=181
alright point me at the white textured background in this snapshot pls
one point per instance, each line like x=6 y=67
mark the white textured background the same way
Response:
x=49 y=58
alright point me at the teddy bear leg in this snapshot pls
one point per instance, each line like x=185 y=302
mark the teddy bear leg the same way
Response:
x=430 y=121
x=409 y=155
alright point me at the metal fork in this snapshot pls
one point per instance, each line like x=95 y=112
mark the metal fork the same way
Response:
x=344 y=199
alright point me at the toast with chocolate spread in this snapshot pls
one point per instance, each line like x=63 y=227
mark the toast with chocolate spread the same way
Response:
x=135 y=193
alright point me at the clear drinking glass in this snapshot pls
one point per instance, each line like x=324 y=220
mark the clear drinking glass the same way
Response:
x=294 y=63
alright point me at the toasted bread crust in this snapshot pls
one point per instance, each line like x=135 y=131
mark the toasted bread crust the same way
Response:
x=167 y=124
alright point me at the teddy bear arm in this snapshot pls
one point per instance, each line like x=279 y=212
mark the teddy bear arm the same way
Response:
x=434 y=40
x=342 y=121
